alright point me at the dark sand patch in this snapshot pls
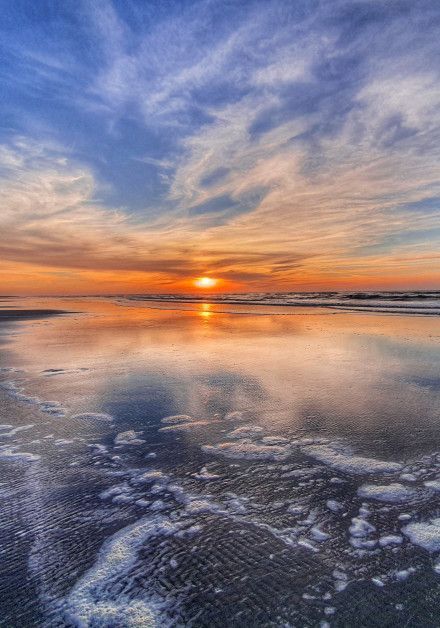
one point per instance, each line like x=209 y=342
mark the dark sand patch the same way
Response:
x=18 y=314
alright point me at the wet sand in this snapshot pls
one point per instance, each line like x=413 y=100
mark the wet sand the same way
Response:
x=16 y=314
x=214 y=464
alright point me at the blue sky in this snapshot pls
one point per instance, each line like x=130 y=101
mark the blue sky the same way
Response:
x=272 y=144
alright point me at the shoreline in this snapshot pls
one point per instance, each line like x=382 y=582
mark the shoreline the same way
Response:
x=20 y=314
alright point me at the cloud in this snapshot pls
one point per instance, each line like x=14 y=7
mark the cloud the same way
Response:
x=275 y=144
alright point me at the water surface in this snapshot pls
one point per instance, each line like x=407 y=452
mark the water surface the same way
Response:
x=218 y=464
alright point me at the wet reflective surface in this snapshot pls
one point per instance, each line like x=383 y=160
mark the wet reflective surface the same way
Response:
x=218 y=464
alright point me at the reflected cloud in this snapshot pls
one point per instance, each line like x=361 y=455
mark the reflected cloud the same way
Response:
x=348 y=374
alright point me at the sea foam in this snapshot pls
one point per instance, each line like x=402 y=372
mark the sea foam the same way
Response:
x=90 y=604
x=424 y=534
x=246 y=431
x=93 y=416
x=248 y=451
x=130 y=437
x=14 y=430
x=176 y=418
x=348 y=463
x=393 y=493
x=19 y=456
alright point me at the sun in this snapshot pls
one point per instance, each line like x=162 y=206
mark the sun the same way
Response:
x=205 y=282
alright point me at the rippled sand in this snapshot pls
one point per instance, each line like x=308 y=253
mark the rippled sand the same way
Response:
x=276 y=466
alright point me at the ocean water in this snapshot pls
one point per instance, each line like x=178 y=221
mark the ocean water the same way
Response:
x=167 y=462
x=410 y=302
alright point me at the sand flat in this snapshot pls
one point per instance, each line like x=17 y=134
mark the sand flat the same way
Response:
x=254 y=453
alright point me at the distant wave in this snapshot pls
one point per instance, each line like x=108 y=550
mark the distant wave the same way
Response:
x=411 y=302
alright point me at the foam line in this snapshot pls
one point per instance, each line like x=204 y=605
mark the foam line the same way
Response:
x=88 y=603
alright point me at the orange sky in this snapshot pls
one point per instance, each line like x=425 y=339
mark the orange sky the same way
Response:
x=23 y=279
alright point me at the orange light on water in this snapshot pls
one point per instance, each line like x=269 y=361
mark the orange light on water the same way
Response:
x=205 y=282
x=205 y=310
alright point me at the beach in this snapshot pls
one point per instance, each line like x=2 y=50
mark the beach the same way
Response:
x=224 y=462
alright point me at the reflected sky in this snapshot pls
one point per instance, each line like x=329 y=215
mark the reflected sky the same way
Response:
x=323 y=404
x=372 y=379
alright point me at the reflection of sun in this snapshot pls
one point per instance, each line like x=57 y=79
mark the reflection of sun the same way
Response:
x=205 y=310
x=205 y=282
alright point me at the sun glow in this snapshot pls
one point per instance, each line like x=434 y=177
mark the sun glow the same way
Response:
x=205 y=310
x=205 y=282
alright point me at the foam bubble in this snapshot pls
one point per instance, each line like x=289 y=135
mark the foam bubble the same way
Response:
x=390 y=539
x=176 y=418
x=295 y=509
x=307 y=544
x=93 y=416
x=19 y=456
x=404 y=574
x=204 y=474
x=329 y=610
x=319 y=535
x=59 y=442
x=191 y=531
x=341 y=580
x=151 y=476
x=360 y=527
x=300 y=473
x=394 y=493
x=236 y=415
x=246 y=431
x=49 y=407
x=158 y=488
x=378 y=582
x=404 y=517
x=123 y=499
x=14 y=430
x=362 y=544
x=180 y=427
x=115 y=490
x=158 y=505
x=348 y=463
x=334 y=505
x=143 y=503
x=9 y=384
x=337 y=481
x=52 y=407
x=130 y=437
x=274 y=440
x=433 y=484
x=248 y=451
x=408 y=477
x=424 y=534
x=198 y=506
x=98 y=448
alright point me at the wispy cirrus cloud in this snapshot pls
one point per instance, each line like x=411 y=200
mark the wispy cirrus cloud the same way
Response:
x=274 y=144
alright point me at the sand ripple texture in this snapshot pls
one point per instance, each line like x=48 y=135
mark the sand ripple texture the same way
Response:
x=254 y=528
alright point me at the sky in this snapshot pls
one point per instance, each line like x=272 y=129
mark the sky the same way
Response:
x=274 y=145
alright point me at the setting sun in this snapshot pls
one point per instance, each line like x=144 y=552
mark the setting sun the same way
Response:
x=205 y=282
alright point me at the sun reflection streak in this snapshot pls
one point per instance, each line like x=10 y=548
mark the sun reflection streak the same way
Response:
x=205 y=310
